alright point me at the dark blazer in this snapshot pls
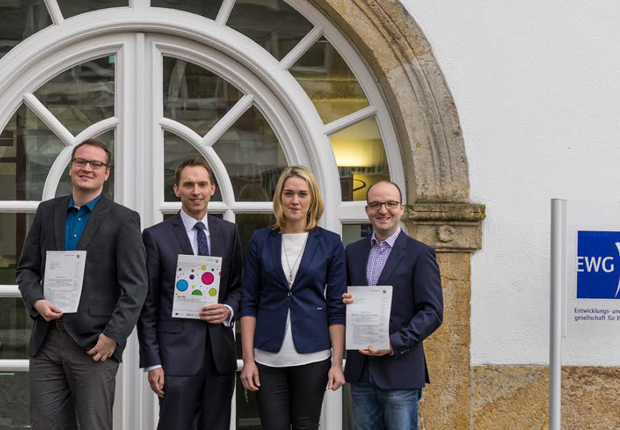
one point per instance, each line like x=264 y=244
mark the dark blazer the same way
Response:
x=315 y=298
x=179 y=344
x=114 y=278
x=417 y=311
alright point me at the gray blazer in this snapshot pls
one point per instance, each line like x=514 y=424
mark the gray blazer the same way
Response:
x=115 y=281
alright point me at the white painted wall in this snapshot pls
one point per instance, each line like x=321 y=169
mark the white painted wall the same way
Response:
x=537 y=87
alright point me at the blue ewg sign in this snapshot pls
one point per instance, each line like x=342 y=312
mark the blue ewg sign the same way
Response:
x=598 y=265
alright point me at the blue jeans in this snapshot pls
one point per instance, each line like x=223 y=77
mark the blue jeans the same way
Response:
x=376 y=408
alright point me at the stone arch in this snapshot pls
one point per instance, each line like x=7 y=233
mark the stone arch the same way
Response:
x=437 y=176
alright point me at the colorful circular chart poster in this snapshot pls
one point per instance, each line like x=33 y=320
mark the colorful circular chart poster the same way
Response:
x=197 y=284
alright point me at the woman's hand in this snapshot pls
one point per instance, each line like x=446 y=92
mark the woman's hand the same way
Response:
x=249 y=376
x=347 y=298
x=335 y=377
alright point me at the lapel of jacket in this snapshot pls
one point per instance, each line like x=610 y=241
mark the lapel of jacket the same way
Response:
x=178 y=228
x=217 y=240
x=311 y=246
x=60 y=222
x=275 y=243
x=94 y=222
x=358 y=277
x=397 y=254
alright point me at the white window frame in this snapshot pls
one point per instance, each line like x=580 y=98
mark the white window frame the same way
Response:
x=138 y=35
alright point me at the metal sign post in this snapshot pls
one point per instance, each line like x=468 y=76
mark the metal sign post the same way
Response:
x=558 y=283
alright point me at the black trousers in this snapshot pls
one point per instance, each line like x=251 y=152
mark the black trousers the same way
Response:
x=291 y=397
x=62 y=369
x=201 y=401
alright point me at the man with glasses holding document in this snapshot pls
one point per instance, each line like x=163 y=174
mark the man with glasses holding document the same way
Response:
x=185 y=330
x=83 y=280
x=386 y=383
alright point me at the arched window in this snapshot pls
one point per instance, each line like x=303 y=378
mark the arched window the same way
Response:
x=251 y=85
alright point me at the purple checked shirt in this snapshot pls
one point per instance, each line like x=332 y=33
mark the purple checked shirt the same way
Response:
x=379 y=253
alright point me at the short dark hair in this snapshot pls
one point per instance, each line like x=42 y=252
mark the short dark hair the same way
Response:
x=98 y=144
x=400 y=193
x=191 y=162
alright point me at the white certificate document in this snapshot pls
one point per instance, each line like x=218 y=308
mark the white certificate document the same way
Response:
x=64 y=276
x=197 y=284
x=368 y=317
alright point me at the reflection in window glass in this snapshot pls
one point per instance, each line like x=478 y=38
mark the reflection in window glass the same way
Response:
x=253 y=158
x=220 y=216
x=20 y=19
x=329 y=82
x=273 y=24
x=81 y=96
x=247 y=409
x=361 y=158
x=176 y=150
x=14 y=401
x=27 y=151
x=15 y=332
x=206 y=8
x=65 y=186
x=354 y=232
x=194 y=96
x=13 y=231
x=71 y=8
x=347 y=410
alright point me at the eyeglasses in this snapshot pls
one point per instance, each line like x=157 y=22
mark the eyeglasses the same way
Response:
x=375 y=206
x=94 y=164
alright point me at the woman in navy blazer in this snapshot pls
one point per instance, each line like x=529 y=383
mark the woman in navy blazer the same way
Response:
x=292 y=315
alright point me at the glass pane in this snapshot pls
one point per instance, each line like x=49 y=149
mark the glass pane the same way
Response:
x=19 y=19
x=14 y=401
x=220 y=216
x=361 y=159
x=15 y=325
x=81 y=96
x=27 y=151
x=273 y=24
x=175 y=151
x=247 y=408
x=347 y=411
x=65 y=186
x=329 y=82
x=248 y=224
x=71 y=8
x=194 y=96
x=13 y=231
x=253 y=158
x=354 y=232
x=206 y=8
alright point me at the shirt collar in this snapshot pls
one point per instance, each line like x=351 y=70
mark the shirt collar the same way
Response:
x=190 y=222
x=90 y=205
x=389 y=241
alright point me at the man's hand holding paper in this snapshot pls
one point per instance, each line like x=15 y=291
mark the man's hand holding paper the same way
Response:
x=368 y=319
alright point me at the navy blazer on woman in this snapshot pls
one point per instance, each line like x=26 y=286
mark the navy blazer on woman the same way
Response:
x=314 y=300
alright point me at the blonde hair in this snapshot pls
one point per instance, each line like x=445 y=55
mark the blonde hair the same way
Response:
x=316 y=203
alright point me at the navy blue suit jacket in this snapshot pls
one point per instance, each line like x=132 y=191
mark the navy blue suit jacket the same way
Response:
x=179 y=344
x=314 y=300
x=417 y=311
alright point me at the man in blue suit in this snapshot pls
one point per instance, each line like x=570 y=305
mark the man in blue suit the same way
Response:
x=191 y=363
x=386 y=385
